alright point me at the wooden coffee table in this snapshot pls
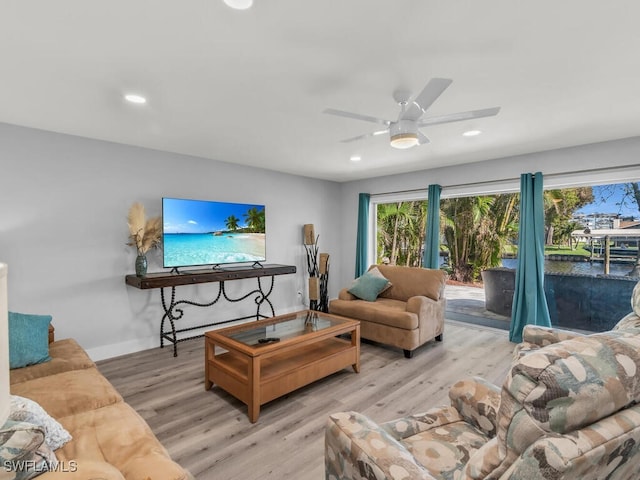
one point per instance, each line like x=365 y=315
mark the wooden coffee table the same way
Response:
x=255 y=368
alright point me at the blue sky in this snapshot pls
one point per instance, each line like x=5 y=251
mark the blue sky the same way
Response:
x=609 y=199
x=199 y=216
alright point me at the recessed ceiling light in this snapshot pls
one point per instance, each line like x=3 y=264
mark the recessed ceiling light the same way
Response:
x=133 y=98
x=239 y=4
x=471 y=133
x=355 y=158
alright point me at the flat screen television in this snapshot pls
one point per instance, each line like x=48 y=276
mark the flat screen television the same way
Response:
x=202 y=232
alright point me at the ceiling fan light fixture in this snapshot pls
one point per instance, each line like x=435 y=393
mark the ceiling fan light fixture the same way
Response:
x=404 y=132
x=404 y=140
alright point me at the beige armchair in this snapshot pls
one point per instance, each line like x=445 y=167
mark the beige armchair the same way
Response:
x=406 y=315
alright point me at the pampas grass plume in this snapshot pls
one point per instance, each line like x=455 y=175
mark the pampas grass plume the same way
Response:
x=144 y=234
x=152 y=234
x=136 y=219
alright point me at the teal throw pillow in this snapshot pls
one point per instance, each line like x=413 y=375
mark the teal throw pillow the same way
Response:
x=28 y=339
x=368 y=287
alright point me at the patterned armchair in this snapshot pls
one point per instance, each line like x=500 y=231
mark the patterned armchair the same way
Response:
x=567 y=410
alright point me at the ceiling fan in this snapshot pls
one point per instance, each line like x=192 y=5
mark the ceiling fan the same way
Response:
x=404 y=131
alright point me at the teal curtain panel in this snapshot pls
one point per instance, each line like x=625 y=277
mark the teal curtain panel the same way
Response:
x=529 y=302
x=431 y=255
x=362 y=253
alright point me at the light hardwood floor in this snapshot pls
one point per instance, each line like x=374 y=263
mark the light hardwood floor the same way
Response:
x=209 y=433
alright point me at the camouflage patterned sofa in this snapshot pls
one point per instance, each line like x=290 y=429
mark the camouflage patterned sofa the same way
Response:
x=567 y=410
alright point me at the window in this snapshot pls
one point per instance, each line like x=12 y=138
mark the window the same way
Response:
x=479 y=227
x=400 y=232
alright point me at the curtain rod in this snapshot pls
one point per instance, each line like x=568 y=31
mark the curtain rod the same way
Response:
x=513 y=179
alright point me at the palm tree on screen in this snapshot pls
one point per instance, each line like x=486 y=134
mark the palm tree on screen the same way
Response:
x=255 y=219
x=232 y=222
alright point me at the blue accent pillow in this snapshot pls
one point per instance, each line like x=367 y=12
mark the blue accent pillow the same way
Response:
x=368 y=286
x=28 y=339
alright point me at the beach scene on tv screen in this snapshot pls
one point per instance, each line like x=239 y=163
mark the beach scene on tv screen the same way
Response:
x=198 y=232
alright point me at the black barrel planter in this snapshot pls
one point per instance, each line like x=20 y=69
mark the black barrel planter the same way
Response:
x=583 y=302
x=499 y=284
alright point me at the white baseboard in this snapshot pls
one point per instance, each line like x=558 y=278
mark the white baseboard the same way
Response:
x=104 y=352
x=116 y=349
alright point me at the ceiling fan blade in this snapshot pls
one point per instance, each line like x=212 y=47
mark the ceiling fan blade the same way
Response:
x=422 y=138
x=425 y=98
x=457 y=117
x=357 y=116
x=366 y=135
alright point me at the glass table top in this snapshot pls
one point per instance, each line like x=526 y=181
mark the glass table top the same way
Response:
x=288 y=326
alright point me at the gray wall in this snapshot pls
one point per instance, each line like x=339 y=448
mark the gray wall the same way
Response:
x=63 y=231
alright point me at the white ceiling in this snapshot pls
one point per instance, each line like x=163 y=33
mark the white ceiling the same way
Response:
x=249 y=86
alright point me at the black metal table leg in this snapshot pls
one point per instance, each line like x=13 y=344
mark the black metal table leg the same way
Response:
x=174 y=312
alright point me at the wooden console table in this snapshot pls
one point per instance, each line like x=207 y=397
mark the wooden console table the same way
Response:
x=172 y=310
